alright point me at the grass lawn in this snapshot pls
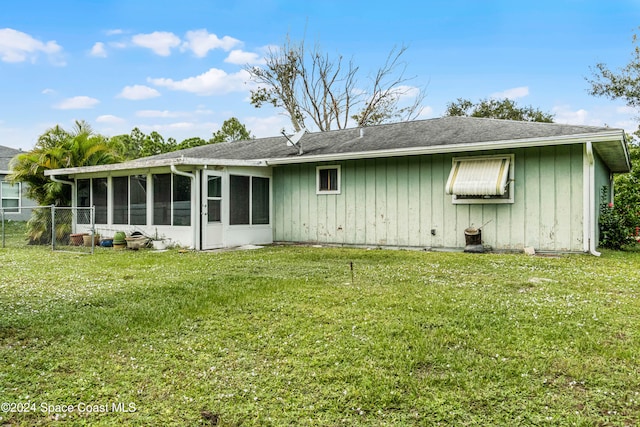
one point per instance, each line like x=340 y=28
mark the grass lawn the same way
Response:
x=285 y=336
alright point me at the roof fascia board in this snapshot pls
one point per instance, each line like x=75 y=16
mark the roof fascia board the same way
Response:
x=455 y=148
x=184 y=161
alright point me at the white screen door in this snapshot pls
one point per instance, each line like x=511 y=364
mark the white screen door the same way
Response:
x=212 y=210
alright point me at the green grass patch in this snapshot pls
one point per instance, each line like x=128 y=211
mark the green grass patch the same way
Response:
x=287 y=336
x=13 y=233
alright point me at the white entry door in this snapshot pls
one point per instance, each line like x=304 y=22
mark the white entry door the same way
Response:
x=213 y=200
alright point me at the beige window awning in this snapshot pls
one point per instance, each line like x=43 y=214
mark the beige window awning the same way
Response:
x=479 y=177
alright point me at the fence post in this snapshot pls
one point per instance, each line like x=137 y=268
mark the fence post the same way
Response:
x=53 y=227
x=2 y=217
x=93 y=228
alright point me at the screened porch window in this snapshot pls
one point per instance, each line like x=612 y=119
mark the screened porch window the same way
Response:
x=162 y=199
x=239 y=199
x=248 y=200
x=171 y=199
x=259 y=200
x=181 y=200
x=138 y=200
x=120 y=200
x=99 y=193
x=130 y=200
x=482 y=179
x=83 y=198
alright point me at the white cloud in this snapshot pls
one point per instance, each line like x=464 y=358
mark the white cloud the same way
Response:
x=213 y=82
x=16 y=46
x=240 y=57
x=629 y=126
x=98 y=50
x=513 y=93
x=180 y=125
x=618 y=117
x=625 y=109
x=77 y=103
x=160 y=114
x=114 y=32
x=160 y=42
x=168 y=128
x=426 y=112
x=48 y=91
x=407 y=92
x=118 y=45
x=200 y=42
x=564 y=114
x=262 y=127
x=138 y=92
x=108 y=118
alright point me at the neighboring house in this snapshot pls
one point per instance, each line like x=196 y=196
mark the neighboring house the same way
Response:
x=12 y=198
x=413 y=184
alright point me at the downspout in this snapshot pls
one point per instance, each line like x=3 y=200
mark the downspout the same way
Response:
x=71 y=183
x=61 y=181
x=591 y=200
x=194 y=191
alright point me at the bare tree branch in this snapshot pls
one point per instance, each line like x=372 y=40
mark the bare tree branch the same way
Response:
x=313 y=85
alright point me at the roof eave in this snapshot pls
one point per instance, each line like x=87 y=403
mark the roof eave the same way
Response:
x=615 y=135
x=142 y=164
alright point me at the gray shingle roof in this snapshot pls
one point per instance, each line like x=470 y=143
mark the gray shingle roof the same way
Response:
x=422 y=133
x=6 y=154
x=445 y=132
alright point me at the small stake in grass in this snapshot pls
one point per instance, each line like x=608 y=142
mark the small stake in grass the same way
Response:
x=351 y=266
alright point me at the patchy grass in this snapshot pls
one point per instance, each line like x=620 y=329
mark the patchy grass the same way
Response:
x=13 y=233
x=284 y=336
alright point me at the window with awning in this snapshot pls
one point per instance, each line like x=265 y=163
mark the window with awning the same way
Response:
x=481 y=179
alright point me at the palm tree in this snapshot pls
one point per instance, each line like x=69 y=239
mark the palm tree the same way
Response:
x=56 y=149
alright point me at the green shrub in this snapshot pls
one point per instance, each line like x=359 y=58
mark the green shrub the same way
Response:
x=615 y=233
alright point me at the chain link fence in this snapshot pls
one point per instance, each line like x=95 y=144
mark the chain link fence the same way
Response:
x=60 y=228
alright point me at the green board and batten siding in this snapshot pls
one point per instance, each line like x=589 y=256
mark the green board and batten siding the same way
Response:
x=602 y=180
x=399 y=201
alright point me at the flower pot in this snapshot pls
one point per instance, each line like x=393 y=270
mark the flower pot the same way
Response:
x=137 y=242
x=86 y=239
x=76 y=239
x=159 y=244
x=118 y=238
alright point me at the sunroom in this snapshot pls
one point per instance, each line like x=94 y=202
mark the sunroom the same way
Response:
x=195 y=206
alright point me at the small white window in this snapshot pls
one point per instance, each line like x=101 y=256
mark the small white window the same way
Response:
x=481 y=179
x=10 y=197
x=328 y=179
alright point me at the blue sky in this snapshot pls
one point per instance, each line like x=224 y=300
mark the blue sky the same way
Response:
x=176 y=67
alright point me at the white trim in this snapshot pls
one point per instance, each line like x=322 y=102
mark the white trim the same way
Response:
x=145 y=164
x=453 y=148
x=338 y=179
x=586 y=197
x=590 y=202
